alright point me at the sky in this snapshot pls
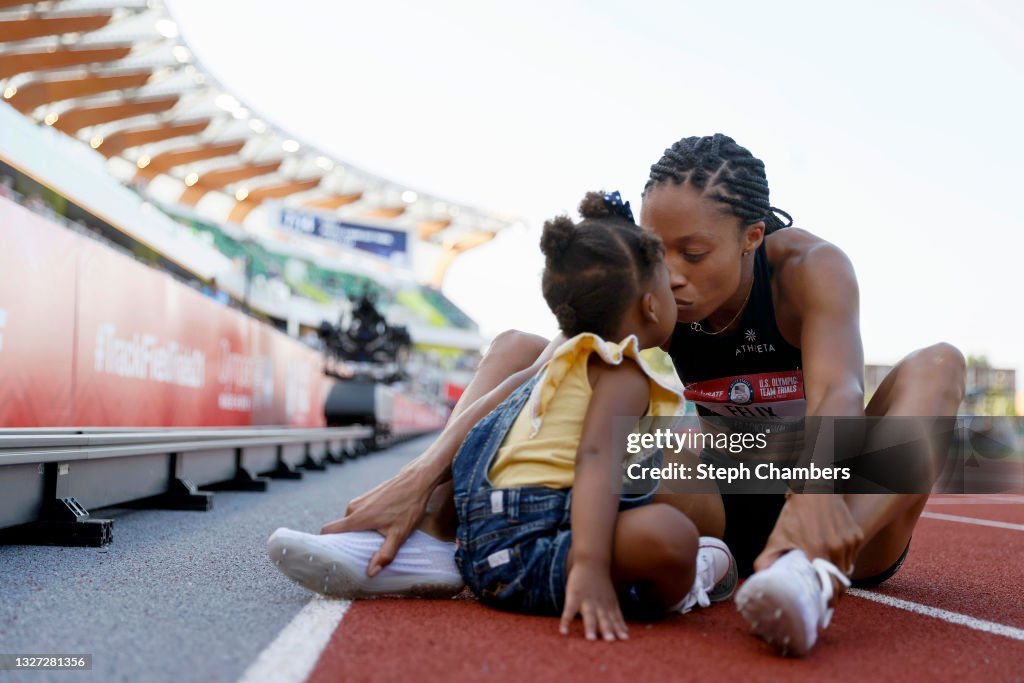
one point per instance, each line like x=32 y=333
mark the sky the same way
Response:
x=893 y=130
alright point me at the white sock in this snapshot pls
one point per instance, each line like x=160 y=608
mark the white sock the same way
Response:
x=420 y=554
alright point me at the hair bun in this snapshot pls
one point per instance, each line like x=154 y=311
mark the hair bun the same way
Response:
x=557 y=237
x=594 y=206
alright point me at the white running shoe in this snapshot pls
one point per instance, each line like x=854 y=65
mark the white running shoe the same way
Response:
x=334 y=565
x=787 y=603
x=716 y=575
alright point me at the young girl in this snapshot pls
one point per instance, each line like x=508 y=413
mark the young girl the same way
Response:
x=536 y=483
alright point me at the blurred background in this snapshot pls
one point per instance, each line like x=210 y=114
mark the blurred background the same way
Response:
x=302 y=162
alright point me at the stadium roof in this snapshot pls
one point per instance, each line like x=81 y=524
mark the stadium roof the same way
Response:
x=118 y=76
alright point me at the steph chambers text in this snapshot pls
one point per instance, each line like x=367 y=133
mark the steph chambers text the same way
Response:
x=765 y=471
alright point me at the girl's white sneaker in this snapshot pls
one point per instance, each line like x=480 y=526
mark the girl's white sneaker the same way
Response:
x=716 y=575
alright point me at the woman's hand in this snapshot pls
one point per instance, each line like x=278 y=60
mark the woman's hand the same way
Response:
x=589 y=591
x=394 y=508
x=819 y=524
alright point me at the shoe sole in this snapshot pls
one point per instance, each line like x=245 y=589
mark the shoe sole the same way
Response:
x=333 y=577
x=772 y=608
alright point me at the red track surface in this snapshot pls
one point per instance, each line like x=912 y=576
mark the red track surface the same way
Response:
x=973 y=570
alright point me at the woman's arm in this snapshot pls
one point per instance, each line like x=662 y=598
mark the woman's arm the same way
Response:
x=822 y=288
x=827 y=299
x=396 y=506
x=617 y=391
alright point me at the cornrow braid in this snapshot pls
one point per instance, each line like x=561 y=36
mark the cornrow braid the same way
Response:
x=594 y=268
x=716 y=164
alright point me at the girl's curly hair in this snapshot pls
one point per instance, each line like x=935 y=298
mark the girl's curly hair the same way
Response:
x=595 y=267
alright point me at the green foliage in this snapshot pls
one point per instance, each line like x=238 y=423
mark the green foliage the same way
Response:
x=421 y=308
x=327 y=285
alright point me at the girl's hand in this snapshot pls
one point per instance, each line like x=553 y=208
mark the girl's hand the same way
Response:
x=819 y=524
x=589 y=591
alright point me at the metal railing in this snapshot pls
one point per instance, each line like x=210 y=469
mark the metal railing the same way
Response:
x=50 y=478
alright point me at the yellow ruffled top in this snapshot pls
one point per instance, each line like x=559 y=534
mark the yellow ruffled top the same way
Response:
x=540 y=447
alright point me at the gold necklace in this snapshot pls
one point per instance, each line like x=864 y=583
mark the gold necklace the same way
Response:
x=696 y=327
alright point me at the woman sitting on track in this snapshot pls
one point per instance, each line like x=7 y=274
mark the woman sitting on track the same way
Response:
x=737 y=271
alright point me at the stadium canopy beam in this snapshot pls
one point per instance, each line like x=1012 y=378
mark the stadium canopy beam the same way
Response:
x=334 y=201
x=453 y=249
x=178 y=157
x=260 y=194
x=74 y=120
x=385 y=212
x=5 y=4
x=50 y=73
x=428 y=229
x=12 y=63
x=125 y=139
x=39 y=27
x=37 y=93
x=215 y=180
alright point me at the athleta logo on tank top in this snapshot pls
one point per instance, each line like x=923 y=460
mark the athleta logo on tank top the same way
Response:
x=752 y=346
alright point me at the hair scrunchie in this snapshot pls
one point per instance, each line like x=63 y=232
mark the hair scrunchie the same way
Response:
x=613 y=200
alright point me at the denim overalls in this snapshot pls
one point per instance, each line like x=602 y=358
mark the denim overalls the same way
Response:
x=512 y=543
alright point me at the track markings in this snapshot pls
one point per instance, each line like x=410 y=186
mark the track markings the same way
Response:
x=295 y=651
x=291 y=657
x=1010 y=504
x=973 y=520
x=944 y=615
x=979 y=499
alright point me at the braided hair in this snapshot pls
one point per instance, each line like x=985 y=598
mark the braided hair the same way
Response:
x=733 y=176
x=595 y=268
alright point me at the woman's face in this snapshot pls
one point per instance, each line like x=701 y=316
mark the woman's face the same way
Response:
x=703 y=247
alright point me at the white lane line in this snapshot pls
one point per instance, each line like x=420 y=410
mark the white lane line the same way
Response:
x=976 y=499
x=295 y=651
x=1009 y=504
x=973 y=520
x=944 y=615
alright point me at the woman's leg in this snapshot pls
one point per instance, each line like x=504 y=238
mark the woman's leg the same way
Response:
x=396 y=508
x=509 y=353
x=927 y=383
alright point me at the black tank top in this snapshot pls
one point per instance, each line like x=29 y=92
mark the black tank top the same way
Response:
x=751 y=372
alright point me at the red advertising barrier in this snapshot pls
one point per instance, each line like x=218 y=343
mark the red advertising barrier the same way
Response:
x=411 y=417
x=90 y=337
x=453 y=392
x=37 y=318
